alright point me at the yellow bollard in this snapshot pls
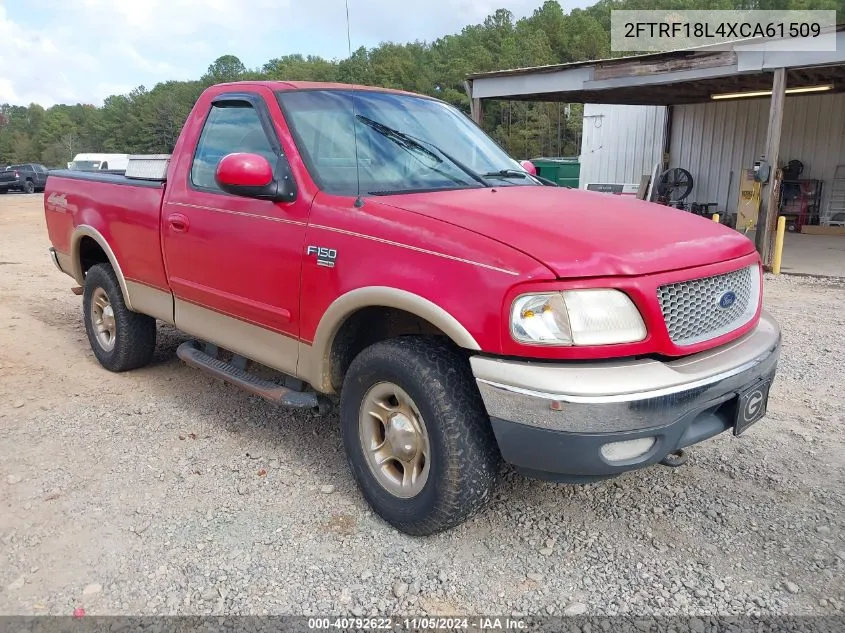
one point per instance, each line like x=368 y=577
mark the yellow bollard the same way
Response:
x=778 y=245
x=715 y=217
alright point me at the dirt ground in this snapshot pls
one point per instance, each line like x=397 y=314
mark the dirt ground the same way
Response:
x=164 y=491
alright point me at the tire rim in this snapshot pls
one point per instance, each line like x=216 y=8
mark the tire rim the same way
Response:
x=394 y=440
x=102 y=318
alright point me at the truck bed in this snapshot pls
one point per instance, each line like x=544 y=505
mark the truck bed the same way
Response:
x=128 y=208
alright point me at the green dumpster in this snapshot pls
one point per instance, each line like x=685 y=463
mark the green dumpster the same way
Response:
x=565 y=171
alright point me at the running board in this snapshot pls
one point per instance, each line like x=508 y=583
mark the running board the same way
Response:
x=192 y=354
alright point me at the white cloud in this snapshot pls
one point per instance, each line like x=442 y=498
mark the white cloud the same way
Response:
x=43 y=66
x=7 y=89
x=86 y=49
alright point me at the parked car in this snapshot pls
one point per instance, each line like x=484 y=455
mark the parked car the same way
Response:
x=27 y=177
x=377 y=245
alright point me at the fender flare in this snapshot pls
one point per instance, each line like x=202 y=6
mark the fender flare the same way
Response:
x=83 y=230
x=377 y=296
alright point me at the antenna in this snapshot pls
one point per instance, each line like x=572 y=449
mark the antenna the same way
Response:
x=359 y=201
x=348 y=38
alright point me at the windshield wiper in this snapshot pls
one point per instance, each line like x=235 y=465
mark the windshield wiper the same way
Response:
x=420 y=144
x=507 y=173
x=515 y=173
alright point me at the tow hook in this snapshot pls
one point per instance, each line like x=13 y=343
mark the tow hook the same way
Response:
x=678 y=458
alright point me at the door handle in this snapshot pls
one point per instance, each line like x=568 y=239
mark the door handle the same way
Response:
x=178 y=222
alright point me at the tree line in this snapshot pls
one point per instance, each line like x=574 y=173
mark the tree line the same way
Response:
x=149 y=120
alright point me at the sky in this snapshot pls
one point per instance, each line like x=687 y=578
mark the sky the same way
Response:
x=81 y=51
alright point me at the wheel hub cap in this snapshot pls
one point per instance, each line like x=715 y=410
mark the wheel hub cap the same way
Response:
x=402 y=437
x=394 y=440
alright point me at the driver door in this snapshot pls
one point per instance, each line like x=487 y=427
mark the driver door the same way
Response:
x=233 y=262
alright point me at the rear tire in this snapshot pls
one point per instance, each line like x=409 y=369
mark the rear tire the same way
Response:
x=442 y=416
x=29 y=187
x=121 y=339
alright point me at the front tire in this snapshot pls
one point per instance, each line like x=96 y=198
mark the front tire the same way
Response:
x=121 y=339
x=417 y=436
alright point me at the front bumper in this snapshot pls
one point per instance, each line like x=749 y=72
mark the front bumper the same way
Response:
x=552 y=420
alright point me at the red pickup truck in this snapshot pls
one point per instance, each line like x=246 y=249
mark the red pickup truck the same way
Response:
x=318 y=240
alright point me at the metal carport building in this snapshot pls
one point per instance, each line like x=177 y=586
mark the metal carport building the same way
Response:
x=684 y=82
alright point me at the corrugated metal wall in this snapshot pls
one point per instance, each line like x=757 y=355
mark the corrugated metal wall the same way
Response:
x=711 y=140
x=621 y=143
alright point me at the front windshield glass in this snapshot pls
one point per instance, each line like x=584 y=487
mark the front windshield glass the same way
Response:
x=85 y=165
x=404 y=143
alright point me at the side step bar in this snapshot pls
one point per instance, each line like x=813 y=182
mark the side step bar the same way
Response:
x=192 y=354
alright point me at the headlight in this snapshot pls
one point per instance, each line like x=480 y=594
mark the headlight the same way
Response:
x=576 y=317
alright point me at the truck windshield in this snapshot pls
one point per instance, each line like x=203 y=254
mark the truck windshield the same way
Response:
x=85 y=165
x=392 y=143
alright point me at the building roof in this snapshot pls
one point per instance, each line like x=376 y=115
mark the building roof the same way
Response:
x=684 y=76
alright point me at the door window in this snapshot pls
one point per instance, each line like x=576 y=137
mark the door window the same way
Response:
x=230 y=127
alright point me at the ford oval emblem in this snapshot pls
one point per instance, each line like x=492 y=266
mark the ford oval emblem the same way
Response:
x=727 y=300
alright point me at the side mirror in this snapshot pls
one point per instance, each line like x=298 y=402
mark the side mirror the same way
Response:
x=528 y=166
x=252 y=176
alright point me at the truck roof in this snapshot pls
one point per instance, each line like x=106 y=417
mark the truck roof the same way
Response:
x=306 y=85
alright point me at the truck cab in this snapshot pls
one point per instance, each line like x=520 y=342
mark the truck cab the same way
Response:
x=384 y=256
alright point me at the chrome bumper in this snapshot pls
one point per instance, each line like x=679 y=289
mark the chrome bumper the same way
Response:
x=556 y=421
x=612 y=396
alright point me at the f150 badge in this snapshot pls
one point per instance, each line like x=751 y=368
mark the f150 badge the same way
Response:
x=325 y=256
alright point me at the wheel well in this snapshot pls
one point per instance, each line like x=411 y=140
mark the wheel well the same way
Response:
x=91 y=253
x=368 y=326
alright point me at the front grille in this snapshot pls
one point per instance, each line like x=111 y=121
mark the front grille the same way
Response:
x=692 y=309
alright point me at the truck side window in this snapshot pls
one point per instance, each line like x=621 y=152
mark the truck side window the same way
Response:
x=230 y=127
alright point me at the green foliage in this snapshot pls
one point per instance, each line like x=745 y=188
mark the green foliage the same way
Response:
x=224 y=69
x=149 y=121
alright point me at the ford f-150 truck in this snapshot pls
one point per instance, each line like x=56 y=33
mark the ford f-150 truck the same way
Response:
x=325 y=243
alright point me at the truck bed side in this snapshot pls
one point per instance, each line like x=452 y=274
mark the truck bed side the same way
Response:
x=121 y=215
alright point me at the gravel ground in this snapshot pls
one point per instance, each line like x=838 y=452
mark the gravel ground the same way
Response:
x=163 y=491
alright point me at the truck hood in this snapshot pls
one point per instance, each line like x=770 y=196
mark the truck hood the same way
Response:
x=579 y=233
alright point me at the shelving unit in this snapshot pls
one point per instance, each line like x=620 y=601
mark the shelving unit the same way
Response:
x=836 y=204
